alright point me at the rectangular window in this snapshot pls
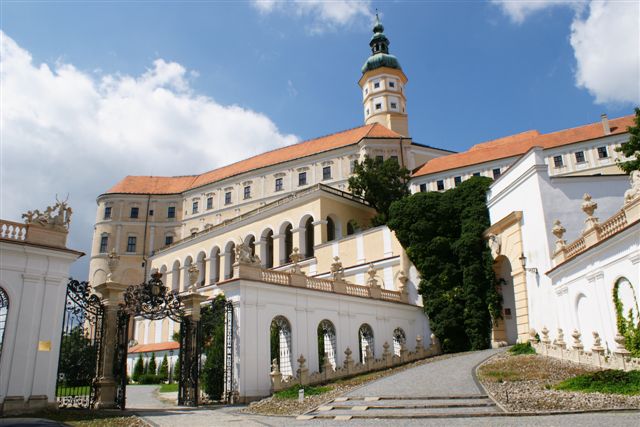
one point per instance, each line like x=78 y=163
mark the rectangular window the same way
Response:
x=279 y=186
x=209 y=202
x=394 y=158
x=496 y=173
x=171 y=212
x=107 y=212
x=227 y=198
x=134 y=213
x=326 y=173
x=392 y=84
x=476 y=174
x=131 y=244
x=247 y=192
x=558 y=162
x=376 y=85
x=423 y=188
x=440 y=185
x=394 y=105
x=602 y=153
x=380 y=159
x=150 y=212
x=579 y=156
x=104 y=242
x=457 y=180
x=302 y=178
x=194 y=208
x=378 y=106
x=168 y=240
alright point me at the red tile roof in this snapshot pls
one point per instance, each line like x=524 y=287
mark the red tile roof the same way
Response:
x=516 y=145
x=178 y=184
x=150 y=348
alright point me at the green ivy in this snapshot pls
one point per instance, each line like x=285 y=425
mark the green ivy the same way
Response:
x=442 y=234
x=628 y=327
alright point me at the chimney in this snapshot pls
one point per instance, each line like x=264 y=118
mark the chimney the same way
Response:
x=605 y=124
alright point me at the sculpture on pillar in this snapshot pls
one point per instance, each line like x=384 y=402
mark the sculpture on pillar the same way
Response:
x=193 y=273
x=589 y=207
x=113 y=259
x=371 y=281
x=495 y=244
x=295 y=259
x=558 y=230
x=56 y=217
x=337 y=271
x=634 y=191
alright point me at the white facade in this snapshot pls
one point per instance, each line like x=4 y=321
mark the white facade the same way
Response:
x=34 y=277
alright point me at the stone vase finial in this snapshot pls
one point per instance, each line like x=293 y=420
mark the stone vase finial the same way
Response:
x=371 y=281
x=301 y=361
x=532 y=335
x=597 y=343
x=385 y=348
x=620 y=345
x=545 y=336
x=113 y=259
x=589 y=207
x=577 y=344
x=419 y=345
x=558 y=230
x=337 y=271
x=560 y=340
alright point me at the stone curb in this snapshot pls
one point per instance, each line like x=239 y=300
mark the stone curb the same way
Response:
x=482 y=387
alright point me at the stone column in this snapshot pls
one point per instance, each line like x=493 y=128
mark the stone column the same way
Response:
x=319 y=231
x=278 y=250
x=297 y=242
x=111 y=296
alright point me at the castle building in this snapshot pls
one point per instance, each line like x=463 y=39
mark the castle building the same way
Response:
x=281 y=236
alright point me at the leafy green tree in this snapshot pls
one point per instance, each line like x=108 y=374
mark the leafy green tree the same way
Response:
x=138 y=369
x=631 y=148
x=152 y=367
x=212 y=321
x=163 y=372
x=176 y=371
x=380 y=183
x=77 y=358
x=442 y=234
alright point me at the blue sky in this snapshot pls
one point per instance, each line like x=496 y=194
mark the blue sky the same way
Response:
x=255 y=76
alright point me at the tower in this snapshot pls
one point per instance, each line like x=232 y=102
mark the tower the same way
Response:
x=382 y=85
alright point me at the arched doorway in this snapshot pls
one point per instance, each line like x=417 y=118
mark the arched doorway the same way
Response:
x=507 y=328
x=399 y=340
x=326 y=344
x=365 y=340
x=280 y=333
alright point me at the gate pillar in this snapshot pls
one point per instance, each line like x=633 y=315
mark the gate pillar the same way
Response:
x=190 y=349
x=112 y=296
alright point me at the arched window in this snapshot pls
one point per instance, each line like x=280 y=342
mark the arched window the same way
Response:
x=288 y=243
x=229 y=259
x=281 y=345
x=326 y=344
x=4 y=311
x=350 y=228
x=267 y=243
x=365 y=340
x=308 y=238
x=175 y=276
x=399 y=340
x=331 y=230
x=251 y=243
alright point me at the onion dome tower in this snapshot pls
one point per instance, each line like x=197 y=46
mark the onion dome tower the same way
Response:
x=382 y=85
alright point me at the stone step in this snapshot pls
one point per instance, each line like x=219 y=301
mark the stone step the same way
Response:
x=412 y=403
x=361 y=412
x=453 y=397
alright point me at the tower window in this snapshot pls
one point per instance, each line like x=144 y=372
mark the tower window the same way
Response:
x=131 y=244
x=602 y=152
x=580 y=157
x=209 y=202
x=247 y=192
x=366 y=91
x=376 y=85
x=168 y=240
x=107 y=212
x=326 y=173
x=134 y=212
x=194 y=208
x=171 y=212
x=302 y=178
x=104 y=242
x=496 y=173
x=440 y=185
x=557 y=161
x=457 y=180
x=150 y=212
x=227 y=198
x=378 y=106
x=367 y=111
x=392 y=84
x=394 y=105
x=279 y=186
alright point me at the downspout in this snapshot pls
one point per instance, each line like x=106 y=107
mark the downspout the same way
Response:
x=144 y=240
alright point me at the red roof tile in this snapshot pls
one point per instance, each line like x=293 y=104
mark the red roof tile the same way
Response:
x=178 y=184
x=516 y=145
x=149 y=348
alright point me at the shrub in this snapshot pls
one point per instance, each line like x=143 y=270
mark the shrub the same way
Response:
x=610 y=381
x=153 y=368
x=163 y=372
x=150 y=379
x=138 y=369
x=522 y=348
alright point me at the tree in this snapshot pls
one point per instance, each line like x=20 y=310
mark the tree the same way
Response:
x=631 y=148
x=176 y=371
x=77 y=358
x=212 y=320
x=153 y=368
x=138 y=369
x=163 y=373
x=442 y=234
x=380 y=183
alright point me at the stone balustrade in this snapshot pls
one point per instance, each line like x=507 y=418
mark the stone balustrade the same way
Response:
x=351 y=367
x=13 y=230
x=596 y=231
x=596 y=356
x=296 y=278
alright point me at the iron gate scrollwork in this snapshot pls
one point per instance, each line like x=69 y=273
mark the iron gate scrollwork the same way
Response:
x=120 y=362
x=190 y=337
x=229 y=392
x=80 y=347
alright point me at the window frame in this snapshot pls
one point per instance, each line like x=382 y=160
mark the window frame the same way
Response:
x=227 y=198
x=168 y=239
x=557 y=164
x=171 y=212
x=326 y=173
x=246 y=192
x=137 y=212
x=107 y=212
x=457 y=180
x=209 y=202
x=302 y=178
x=496 y=172
x=132 y=242
x=440 y=185
x=279 y=184
x=195 y=207
x=104 y=244
x=600 y=150
x=580 y=154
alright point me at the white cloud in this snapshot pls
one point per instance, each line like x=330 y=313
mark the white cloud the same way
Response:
x=606 y=45
x=63 y=131
x=605 y=38
x=324 y=14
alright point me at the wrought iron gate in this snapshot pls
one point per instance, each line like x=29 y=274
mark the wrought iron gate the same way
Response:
x=120 y=361
x=80 y=347
x=190 y=337
x=229 y=393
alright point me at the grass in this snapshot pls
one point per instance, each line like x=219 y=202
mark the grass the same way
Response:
x=610 y=381
x=168 y=388
x=292 y=392
x=527 y=367
x=73 y=391
x=522 y=348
